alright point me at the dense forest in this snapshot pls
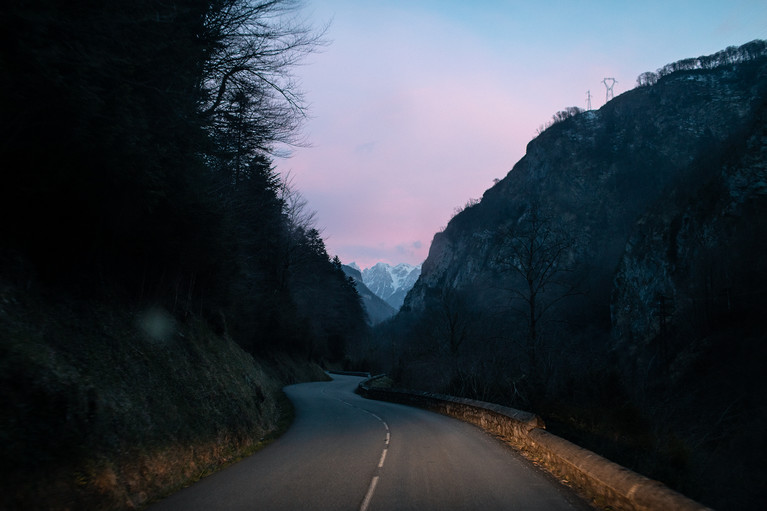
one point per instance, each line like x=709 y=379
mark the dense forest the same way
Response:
x=614 y=282
x=150 y=256
x=139 y=142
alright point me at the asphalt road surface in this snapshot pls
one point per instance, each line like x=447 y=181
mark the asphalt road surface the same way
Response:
x=344 y=452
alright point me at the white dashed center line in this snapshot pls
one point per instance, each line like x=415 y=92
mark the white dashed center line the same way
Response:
x=374 y=481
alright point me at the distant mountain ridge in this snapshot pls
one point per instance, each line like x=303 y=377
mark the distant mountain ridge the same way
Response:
x=377 y=309
x=390 y=283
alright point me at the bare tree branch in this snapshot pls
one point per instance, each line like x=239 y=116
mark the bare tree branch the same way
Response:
x=253 y=48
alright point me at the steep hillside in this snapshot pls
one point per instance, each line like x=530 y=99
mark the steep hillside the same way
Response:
x=597 y=172
x=614 y=281
x=107 y=407
x=695 y=259
x=159 y=281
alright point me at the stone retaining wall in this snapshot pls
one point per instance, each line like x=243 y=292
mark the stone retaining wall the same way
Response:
x=607 y=484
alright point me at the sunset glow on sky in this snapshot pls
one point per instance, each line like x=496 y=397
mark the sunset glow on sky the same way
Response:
x=416 y=106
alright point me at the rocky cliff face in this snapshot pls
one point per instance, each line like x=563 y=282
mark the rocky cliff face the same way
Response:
x=653 y=164
x=696 y=258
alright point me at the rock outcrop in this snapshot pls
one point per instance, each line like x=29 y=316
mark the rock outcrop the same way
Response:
x=649 y=187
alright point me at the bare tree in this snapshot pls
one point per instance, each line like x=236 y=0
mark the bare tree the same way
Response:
x=538 y=256
x=253 y=47
x=454 y=320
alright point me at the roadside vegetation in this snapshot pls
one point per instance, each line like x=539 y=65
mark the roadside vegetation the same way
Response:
x=159 y=281
x=110 y=408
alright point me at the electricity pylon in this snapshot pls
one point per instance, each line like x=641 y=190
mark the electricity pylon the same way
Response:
x=609 y=93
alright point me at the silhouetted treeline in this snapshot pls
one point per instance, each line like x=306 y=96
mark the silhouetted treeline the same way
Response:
x=137 y=141
x=560 y=116
x=728 y=56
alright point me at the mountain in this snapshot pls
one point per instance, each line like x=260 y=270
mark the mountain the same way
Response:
x=615 y=280
x=391 y=283
x=378 y=310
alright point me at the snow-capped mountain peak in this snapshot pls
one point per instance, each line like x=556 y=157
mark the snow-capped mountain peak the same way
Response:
x=402 y=274
x=391 y=283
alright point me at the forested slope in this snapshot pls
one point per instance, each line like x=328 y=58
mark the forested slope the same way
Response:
x=159 y=281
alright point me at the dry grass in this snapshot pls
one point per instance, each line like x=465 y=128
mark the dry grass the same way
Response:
x=103 y=412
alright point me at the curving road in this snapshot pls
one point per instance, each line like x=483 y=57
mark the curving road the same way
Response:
x=344 y=452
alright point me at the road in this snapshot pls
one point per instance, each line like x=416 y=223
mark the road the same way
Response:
x=344 y=452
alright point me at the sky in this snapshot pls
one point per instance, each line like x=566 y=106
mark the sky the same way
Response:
x=416 y=106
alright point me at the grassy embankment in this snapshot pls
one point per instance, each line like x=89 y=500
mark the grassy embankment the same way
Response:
x=104 y=408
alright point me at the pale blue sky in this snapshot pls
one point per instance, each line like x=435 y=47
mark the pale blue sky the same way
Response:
x=416 y=106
